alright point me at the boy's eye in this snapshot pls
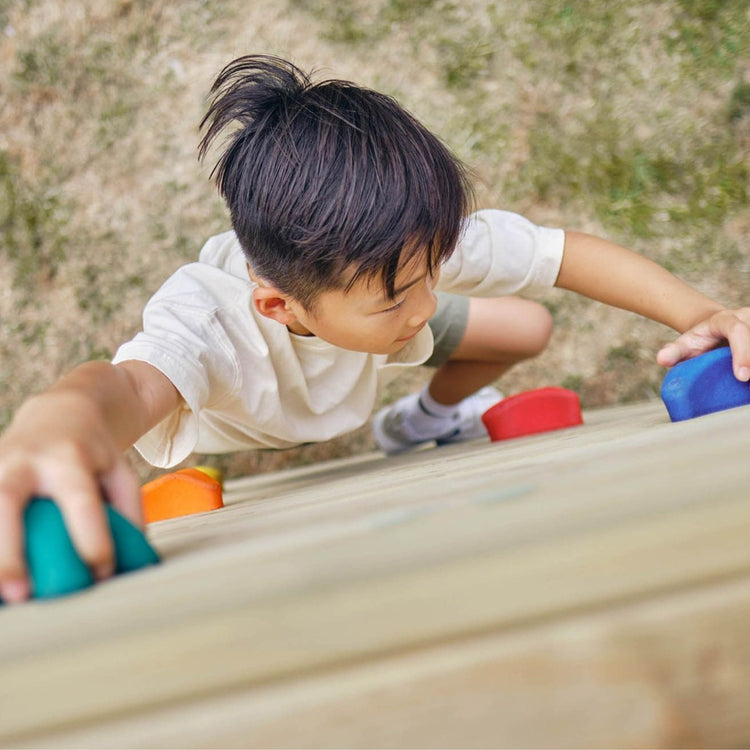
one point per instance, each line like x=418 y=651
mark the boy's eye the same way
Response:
x=394 y=307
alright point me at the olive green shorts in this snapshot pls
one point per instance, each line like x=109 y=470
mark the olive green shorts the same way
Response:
x=448 y=325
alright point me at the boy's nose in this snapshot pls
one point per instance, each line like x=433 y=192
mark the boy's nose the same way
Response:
x=425 y=310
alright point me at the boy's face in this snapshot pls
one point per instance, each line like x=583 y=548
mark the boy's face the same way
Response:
x=364 y=319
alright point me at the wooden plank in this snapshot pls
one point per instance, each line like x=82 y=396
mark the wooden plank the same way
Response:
x=345 y=490
x=670 y=672
x=441 y=548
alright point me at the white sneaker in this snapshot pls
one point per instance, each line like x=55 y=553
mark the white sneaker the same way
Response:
x=394 y=432
x=470 y=410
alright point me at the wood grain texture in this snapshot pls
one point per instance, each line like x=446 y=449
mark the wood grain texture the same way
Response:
x=588 y=587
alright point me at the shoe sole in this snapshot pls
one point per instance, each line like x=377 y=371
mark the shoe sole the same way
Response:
x=385 y=444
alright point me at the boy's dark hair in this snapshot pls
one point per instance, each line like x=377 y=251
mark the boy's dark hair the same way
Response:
x=322 y=179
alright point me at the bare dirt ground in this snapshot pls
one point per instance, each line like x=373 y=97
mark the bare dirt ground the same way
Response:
x=630 y=120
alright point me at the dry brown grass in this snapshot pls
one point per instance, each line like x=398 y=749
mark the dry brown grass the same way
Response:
x=630 y=120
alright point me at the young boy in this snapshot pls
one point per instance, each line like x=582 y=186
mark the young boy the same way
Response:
x=348 y=219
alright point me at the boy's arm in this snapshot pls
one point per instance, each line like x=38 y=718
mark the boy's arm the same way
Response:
x=68 y=443
x=612 y=274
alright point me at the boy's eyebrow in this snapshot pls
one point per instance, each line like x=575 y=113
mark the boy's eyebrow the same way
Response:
x=404 y=287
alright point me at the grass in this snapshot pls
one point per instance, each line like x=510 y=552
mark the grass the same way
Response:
x=711 y=35
x=628 y=119
x=640 y=187
x=32 y=225
x=645 y=169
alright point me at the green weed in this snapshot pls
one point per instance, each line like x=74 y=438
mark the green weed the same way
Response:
x=43 y=63
x=712 y=35
x=343 y=22
x=626 y=353
x=739 y=101
x=574 y=383
x=465 y=56
x=632 y=373
x=404 y=10
x=33 y=229
x=570 y=38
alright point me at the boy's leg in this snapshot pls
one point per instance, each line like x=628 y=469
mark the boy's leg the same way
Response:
x=477 y=341
x=499 y=333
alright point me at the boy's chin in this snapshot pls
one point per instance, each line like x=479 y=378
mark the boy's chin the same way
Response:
x=397 y=346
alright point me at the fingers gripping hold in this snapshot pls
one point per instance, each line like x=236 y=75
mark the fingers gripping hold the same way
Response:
x=725 y=326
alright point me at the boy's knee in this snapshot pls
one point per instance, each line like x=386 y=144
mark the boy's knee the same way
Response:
x=505 y=329
x=530 y=328
x=540 y=329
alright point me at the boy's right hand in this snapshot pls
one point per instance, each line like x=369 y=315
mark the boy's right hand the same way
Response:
x=58 y=445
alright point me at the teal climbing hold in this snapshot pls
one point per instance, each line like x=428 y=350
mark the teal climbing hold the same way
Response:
x=54 y=565
x=132 y=550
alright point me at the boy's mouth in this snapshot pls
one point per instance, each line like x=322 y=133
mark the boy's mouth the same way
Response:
x=411 y=335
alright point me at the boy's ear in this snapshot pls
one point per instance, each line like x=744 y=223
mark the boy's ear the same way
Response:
x=272 y=303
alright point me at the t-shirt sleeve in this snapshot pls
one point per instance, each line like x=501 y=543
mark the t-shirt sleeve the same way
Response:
x=502 y=253
x=184 y=340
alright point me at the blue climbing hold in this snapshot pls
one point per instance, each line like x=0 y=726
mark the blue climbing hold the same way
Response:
x=703 y=385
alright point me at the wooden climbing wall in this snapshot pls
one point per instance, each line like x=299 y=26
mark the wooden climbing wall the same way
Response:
x=586 y=588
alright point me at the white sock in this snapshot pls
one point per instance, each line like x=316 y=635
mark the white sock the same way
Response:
x=429 y=419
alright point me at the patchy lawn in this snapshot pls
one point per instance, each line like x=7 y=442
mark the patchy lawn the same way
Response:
x=626 y=119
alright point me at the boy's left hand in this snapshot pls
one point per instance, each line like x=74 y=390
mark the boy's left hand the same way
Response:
x=724 y=326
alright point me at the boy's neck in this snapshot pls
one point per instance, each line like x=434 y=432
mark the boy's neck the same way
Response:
x=298 y=329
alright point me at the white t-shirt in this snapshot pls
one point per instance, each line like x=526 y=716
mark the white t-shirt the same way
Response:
x=248 y=383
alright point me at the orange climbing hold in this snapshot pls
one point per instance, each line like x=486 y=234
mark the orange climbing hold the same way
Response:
x=181 y=493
